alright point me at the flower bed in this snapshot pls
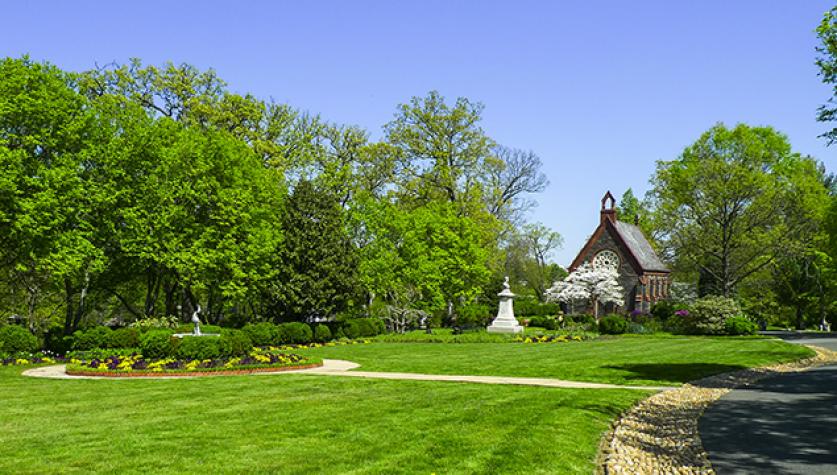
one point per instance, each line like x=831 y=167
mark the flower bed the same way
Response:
x=548 y=338
x=259 y=360
x=27 y=359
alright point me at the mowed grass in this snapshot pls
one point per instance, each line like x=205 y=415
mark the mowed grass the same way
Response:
x=298 y=424
x=637 y=360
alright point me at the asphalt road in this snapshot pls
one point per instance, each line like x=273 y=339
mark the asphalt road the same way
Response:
x=785 y=424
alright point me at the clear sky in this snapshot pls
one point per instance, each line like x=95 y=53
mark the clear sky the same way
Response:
x=600 y=90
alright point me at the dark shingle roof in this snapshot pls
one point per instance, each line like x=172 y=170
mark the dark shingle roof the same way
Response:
x=640 y=247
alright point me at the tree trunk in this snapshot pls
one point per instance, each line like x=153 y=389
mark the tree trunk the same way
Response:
x=800 y=322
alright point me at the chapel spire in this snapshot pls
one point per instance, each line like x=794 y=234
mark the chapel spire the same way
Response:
x=608 y=208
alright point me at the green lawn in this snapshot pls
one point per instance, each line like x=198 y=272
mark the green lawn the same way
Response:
x=638 y=360
x=320 y=424
x=298 y=424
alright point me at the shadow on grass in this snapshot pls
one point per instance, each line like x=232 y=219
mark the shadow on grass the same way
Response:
x=675 y=372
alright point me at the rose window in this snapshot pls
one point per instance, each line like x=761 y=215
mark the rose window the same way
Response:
x=606 y=259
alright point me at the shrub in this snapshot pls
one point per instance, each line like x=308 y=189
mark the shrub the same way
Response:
x=190 y=327
x=526 y=308
x=662 y=310
x=295 y=332
x=234 y=343
x=707 y=316
x=545 y=322
x=96 y=337
x=322 y=333
x=198 y=348
x=123 y=338
x=262 y=334
x=363 y=327
x=472 y=314
x=17 y=339
x=56 y=342
x=613 y=325
x=740 y=325
x=155 y=323
x=157 y=344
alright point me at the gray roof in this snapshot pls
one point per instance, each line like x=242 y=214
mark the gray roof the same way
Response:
x=640 y=247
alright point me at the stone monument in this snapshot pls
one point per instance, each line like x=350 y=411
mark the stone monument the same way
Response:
x=505 y=321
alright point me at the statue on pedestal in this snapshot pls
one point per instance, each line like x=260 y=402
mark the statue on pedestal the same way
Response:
x=505 y=321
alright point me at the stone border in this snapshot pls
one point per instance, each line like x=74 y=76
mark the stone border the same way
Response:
x=660 y=434
x=189 y=374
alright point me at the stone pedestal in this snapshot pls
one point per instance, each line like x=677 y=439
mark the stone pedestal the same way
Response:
x=505 y=321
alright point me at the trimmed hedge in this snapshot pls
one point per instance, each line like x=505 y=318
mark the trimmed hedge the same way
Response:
x=198 y=348
x=158 y=344
x=262 y=334
x=527 y=308
x=322 y=333
x=92 y=338
x=123 y=338
x=17 y=339
x=613 y=325
x=295 y=333
x=363 y=327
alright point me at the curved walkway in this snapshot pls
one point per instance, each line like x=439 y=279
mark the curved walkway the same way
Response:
x=342 y=368
x=784 y=424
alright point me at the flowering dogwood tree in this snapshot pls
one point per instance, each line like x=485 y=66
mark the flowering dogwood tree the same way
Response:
x=588 y=284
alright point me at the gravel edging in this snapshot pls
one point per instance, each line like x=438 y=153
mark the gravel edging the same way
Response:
x=660 y=434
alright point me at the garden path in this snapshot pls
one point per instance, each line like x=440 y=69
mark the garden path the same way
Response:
x=342 y=368
x=786 y=424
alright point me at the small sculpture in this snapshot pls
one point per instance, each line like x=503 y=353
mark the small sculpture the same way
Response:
x=197 y=322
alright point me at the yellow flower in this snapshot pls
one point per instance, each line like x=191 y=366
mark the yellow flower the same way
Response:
x=21 y=361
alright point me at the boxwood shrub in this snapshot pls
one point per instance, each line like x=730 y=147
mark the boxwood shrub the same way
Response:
x=262 y=334
x=613 y=325
x=96 y=337
x=234 y=343
x=123 y=338
x=295 y=332
x=198 y=348
x=740 y=325
x=363 y=327
x=322 y=333
x=17 y=339
x=157 y=344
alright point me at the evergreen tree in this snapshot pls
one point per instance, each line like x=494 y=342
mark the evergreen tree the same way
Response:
x=317 y=261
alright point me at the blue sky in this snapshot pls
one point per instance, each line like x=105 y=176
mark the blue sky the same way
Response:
x=600 y=90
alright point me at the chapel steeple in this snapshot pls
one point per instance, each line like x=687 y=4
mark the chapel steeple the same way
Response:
x=608 y=212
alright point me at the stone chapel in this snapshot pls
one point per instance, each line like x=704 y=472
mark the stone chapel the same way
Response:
x=643 y=276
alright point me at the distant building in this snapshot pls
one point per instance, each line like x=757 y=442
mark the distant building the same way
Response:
x=623 y=246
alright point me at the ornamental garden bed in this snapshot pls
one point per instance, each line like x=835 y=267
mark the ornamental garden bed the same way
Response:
x=258 y=361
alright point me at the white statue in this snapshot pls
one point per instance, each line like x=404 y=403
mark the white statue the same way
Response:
x=505 y=321
x=197 y=322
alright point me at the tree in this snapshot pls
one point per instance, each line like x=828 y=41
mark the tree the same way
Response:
x=317 y=275
x=528 y=258
x=588 y=284
x=514 y=174
x=827 y=64
x=733 y=201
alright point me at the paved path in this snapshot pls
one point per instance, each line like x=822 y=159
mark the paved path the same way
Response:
x=342 y=368
x=785 y=424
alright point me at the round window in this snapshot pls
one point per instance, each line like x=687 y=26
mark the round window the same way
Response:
x=606 y=259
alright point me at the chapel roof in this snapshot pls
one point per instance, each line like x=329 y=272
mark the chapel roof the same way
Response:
x=639 y=246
